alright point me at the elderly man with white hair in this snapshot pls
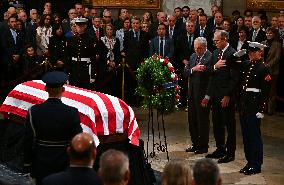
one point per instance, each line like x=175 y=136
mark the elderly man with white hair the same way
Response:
x=198 y=118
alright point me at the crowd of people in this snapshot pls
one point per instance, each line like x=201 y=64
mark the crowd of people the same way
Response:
x=222 y=62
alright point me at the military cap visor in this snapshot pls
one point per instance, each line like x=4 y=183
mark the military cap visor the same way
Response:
x=255 y=46
x=55 y=79
x=81 y=21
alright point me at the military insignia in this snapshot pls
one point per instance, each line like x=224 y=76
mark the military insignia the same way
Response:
x=267 y=78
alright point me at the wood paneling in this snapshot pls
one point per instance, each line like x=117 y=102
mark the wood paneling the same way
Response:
x=130 y=4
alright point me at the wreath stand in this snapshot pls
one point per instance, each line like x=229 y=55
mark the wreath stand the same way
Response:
x=161 y=145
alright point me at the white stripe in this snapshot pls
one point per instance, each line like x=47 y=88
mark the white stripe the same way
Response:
x=100 y=104
x=89 y=131
x=31 y=91
x=134 y=122
x=119 y=113
x=20 y=104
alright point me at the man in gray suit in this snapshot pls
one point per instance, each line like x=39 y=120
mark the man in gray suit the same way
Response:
x=162 y=45
x=198 y=115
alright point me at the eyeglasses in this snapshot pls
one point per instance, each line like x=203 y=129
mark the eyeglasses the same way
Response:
x=145 y=26
x=107 y=16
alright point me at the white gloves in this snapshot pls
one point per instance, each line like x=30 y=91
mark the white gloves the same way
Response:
x=259 y=115
x=92 y=80
x=240 y=53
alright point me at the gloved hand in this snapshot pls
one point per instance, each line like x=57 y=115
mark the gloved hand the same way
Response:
x=204 y=102
x=259 y=115
x=92 y=80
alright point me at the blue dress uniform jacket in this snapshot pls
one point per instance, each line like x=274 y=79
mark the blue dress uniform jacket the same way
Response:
x=254 y=91
x=49 y=128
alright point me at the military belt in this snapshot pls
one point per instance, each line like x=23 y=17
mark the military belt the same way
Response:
x=81 y=59
x=52 y=143
x=248 y=89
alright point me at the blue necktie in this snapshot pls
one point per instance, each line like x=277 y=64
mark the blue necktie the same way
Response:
x=14 y=36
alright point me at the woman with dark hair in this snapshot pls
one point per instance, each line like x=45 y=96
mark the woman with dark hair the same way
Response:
x=57 y=47
x=272 y=54
x=109 y=58
x=57 y=18
x=234 y=34
x=241 y=42
x=43 y=34
x=120 y=33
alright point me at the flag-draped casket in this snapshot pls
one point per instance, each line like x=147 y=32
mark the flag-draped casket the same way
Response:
x=100 y=114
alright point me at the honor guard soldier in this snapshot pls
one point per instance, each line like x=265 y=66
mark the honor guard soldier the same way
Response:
x=82 y=53
x=49 y=128
x=254 y=91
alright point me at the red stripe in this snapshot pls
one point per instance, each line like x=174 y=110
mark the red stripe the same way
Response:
x=111 y=113
x=15 y=110
x=25 y=97
x=135 y=137
x=88 y=122
x=35 y=85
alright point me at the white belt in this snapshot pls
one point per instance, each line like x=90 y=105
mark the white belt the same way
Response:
x=252 y=89
x=81 y=59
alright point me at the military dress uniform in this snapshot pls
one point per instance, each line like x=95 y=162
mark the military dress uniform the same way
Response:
x=49 y=128
x=82 y=53
x=254 y=91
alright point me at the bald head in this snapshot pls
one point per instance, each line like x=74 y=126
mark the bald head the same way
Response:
x=82 y=148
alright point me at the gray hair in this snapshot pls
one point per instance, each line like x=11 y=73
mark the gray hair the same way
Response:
x=32 y=10
x=114 y=165
x=224 y=34
x=206 y=172
x=201 y=40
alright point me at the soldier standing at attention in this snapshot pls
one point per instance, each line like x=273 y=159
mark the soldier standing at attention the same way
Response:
x=82 y=53
x=49 y=129
x=255 y=87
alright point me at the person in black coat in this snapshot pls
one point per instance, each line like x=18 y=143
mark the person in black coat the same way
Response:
x=198 y=116
x=81 y=56
x=109 y=58
x=50 y=126
x=82 y=154
x=95 y=30
x=13 y=47
x=57 y=48
x=185 y=49
x=255 y=82
x=256 y=34
x=222 y=87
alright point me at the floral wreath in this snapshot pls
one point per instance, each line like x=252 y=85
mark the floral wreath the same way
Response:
x=158 y=84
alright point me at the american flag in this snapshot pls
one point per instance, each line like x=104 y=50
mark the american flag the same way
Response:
x=100 y=114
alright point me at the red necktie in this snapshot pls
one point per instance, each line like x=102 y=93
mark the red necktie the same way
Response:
x=97 y=34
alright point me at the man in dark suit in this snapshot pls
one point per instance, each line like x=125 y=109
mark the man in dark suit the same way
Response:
x=95 y=30
x=198 y=116
x=205 y=31
x=161 y=18
x=135 y=49
x=82 y=154
x=162 y=45
x=184 y=50
x=49 y=128
x=72 y=14
x=13 y=46
x=222 y=95
x=257 y=34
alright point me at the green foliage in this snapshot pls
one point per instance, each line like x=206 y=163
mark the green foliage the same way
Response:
x=152 y=75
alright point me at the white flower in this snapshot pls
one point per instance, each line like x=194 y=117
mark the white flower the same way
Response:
x=173 y=75
x=161 y=60
x=170 y=65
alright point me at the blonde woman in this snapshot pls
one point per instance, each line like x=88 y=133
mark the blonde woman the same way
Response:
x=177 y=172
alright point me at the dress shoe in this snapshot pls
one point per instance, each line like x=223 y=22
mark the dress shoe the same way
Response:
x=226 y=159
x=216 y=154
x=201 y=151
x=251 y=171
x=244 y=168
x=191 y=149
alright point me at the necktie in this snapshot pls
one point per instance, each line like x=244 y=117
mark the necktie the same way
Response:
x=136 y=36
x=171 y=32
x=189 y=41
x=254 y=35
x=14 y=34
x=201 y=32
x=220 y=54
x=162 y=47
x=197 y=60
x=97 y=34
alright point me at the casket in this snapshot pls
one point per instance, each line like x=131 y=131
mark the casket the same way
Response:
x=101 y=115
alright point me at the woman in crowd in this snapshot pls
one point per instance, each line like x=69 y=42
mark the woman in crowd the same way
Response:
x=43 y=34
x=120 y=33
x=109 y=58
x=272 y=54
x=177 y=172
x=57 y=47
